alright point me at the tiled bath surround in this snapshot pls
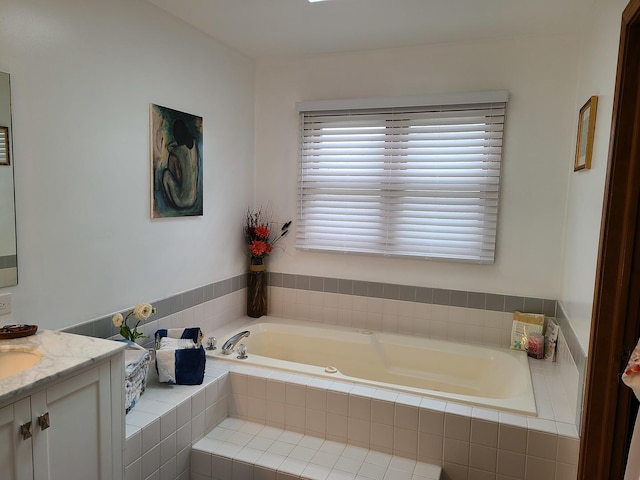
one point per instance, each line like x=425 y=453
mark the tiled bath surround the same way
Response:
x=466 y=316
x=450 y=314
x=470 y=443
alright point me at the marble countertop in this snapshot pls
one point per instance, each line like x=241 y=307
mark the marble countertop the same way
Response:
x=61 y=352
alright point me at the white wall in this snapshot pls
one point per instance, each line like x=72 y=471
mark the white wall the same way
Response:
x=540 y=74
x=83 y=75
x=598 y=60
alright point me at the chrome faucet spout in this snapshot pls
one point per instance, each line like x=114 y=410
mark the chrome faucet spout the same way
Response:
x=230 y=344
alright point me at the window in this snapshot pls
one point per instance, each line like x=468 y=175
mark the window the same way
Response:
x=408 y=181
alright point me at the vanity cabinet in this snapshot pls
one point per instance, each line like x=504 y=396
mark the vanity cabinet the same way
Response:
x=15 y=454
x=72 y=429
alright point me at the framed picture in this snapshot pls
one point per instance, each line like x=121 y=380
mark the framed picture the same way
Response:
x=586 y=128
x=176 y=163
x=5 y=159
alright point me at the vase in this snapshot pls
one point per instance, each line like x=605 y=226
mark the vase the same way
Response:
x=257 y=291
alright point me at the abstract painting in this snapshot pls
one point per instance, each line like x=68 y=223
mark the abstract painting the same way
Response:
x=176 y=163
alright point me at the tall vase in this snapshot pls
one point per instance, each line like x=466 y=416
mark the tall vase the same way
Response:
x=257 y=291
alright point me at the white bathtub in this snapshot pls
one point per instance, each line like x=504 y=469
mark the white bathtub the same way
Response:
x=471 y=374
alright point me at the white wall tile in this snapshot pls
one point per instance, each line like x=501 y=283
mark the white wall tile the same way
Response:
x=315 y=422
x=475 y=474
x=456 y=451
x=537 y=468
x=168 y=448
x=484 y=433
x=221 y=466
x=457 y=427
x=406 y=416
x=150 y=436
x=374 y=321
x=133 y=449
x=316 y=398
x=295 y=418
x=431 y=421
x=358 y=431
x=566 y=472
x=405 y=442
x=482 y=457
x=275 y=391
x=360 y=407
x=168 y=470
x=430 y=446
x=275 y=414
x=155 y=475
x=183 y=436
x=168 y=423
x=337 y=427
x=183 y=412
x=511 y=464
x=568 y=450
x=381 y=436
x=513 y=439
x=257 y=409
x=151 y=461
x=382 y=412
x=257 y=387
x=295 y=394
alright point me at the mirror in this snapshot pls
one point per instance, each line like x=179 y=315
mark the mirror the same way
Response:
x=8 y=251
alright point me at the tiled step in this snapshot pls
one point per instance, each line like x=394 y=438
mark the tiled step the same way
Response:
x=242 y=450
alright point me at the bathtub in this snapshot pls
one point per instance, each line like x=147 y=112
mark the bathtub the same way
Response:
x=471 y=374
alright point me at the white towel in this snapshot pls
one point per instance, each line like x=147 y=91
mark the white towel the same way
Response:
x=176 y=343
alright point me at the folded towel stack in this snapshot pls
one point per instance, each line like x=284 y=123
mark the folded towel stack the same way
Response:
x=180 y=357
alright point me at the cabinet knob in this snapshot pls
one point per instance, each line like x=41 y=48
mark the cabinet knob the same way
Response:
x=43 y=421
x=25 y=431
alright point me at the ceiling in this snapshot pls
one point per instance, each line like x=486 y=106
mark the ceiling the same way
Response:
x=292 y=27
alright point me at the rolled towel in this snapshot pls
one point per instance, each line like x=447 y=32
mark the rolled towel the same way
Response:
x=176 y=343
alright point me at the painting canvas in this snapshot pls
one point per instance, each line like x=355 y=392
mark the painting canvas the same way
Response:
x=176 y=162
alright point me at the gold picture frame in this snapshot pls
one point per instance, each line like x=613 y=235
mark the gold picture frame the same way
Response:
x=5 y=158
x=586 y=129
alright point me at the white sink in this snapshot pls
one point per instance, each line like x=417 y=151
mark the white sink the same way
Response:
x=16 y=359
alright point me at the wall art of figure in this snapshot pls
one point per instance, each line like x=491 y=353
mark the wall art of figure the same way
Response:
x=176 y=159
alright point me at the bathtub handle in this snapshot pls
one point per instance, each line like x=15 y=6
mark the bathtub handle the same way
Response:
x=230 y=344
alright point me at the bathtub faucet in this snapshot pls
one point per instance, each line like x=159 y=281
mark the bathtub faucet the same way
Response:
x=230 y=344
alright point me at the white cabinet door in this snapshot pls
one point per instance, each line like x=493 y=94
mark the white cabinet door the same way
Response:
x=74 y=443
x=15 y=451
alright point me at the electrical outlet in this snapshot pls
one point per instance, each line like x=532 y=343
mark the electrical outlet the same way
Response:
x=5 y=303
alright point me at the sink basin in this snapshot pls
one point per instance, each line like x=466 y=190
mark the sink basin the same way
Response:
x=14 y=359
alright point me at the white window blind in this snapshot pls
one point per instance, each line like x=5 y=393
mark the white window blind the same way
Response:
x=409 y=181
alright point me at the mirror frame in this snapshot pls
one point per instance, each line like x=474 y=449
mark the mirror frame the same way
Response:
x=9 y=259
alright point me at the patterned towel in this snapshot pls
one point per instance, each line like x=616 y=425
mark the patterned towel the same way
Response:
x=180 y=357
x=631 y=378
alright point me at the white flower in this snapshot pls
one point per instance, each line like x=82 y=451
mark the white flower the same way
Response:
x=142 y=311
x=117 y=320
